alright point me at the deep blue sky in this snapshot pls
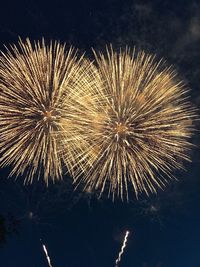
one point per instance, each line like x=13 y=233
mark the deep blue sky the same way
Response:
x=78 y=229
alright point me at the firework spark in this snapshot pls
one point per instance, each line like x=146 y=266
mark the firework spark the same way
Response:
x=122 y=249
x=38 y=83
x=47 y=255
x=141 y=130
x=82 y=114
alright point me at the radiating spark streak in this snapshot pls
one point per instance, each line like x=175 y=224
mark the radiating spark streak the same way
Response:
x=122 y=249
x=46 y=254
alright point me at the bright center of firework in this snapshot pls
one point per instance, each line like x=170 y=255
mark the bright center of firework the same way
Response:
x=49 y=115
x=120 y=131
x=121 y=128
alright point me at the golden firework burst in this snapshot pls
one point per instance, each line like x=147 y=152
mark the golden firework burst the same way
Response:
x=37 y=86
x=141 y=130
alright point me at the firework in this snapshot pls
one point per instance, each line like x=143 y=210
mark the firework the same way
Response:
x=122 y=249
x=38 y=83
x=141 y=131
x=46 y=254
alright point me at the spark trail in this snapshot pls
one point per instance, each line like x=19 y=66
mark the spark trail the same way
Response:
x=122 y=249
x=46 y=254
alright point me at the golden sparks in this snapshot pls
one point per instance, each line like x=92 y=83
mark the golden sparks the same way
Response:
x=37 y=85
x=125 y=120
x=139 y=132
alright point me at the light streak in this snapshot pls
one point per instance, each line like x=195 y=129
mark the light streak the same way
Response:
x=122 y=249
x=46 y=254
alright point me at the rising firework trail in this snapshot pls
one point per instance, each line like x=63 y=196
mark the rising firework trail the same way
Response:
x=122 y=249
x=46 y=254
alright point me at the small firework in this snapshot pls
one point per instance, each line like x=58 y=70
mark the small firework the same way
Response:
x=46 y=254
x=37 y=85
x=141 y=131
x=122 y=249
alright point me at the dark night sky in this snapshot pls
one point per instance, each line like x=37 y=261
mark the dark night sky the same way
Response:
x=78 y=229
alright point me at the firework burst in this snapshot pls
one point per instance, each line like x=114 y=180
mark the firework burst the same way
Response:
x=141 y=132
x=38 y=83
